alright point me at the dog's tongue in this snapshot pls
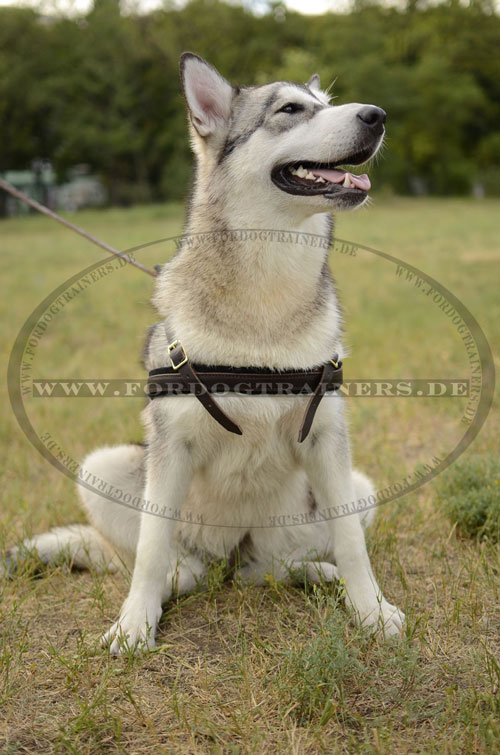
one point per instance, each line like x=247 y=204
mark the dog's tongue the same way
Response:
x=337 y=177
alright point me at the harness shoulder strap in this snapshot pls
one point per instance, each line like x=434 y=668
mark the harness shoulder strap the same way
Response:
x=188 y=374
x=326 y=377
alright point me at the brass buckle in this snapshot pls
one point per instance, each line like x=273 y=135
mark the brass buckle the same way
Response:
x=171 y=347
x=335 y=364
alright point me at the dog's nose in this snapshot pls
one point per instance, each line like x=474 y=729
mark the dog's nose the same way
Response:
x=373 y=117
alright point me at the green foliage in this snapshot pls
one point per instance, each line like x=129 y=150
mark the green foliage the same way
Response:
x=320 y=676
x=103 y=89
x=314 y=676
x=469 y=493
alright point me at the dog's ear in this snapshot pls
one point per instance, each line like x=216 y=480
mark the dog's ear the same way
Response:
x=208 y=94
x=314 y=83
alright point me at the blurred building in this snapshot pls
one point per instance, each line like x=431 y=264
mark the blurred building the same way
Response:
x=81 y=189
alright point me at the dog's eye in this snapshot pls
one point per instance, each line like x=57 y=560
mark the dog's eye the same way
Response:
x=291 y=107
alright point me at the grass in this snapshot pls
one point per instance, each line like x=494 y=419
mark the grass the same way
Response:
x=277 y=668
x=469 y=493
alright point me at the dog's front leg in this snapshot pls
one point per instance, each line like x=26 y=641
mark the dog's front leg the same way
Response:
x=167 y=481
x=327 y=460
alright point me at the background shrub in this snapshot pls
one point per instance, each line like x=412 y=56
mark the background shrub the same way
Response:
x=469 y=492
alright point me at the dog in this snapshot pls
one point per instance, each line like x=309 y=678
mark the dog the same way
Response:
x=268 y=158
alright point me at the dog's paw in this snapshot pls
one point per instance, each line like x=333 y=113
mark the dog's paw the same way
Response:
x=381 y=619
x=390 y=622
x=134 y=632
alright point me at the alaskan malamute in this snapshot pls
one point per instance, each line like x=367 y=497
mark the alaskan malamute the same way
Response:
x=249 y=287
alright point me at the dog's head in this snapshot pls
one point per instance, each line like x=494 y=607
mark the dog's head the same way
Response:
x=285 y=140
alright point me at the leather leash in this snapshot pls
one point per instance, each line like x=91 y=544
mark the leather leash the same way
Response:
x=6 y=186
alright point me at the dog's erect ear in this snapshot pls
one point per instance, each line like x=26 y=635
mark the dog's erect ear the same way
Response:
x=208 y=94
x=314 y=82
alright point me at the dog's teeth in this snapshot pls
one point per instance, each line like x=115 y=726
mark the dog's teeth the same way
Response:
x=320 y=180
x=301 y=172
x=347 y=182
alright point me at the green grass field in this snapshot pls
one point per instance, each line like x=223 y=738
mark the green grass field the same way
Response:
x=242 y=669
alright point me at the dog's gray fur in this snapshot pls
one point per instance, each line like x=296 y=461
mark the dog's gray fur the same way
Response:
x=267 y=302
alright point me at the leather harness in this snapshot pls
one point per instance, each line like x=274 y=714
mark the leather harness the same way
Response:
x=202 y=381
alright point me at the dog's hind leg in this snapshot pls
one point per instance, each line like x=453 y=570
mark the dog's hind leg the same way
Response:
x=111 y=539
x=121 y=471
x=292 y=571
x=188 y=574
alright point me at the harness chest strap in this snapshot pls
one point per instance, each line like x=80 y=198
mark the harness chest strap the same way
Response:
x=182 y=377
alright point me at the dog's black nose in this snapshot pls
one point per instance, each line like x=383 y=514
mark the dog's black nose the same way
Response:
x=372 y=116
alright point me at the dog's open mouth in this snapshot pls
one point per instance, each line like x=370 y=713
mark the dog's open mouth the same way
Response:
x=308 y=178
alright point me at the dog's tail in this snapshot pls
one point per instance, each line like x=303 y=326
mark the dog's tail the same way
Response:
x=79 y=544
